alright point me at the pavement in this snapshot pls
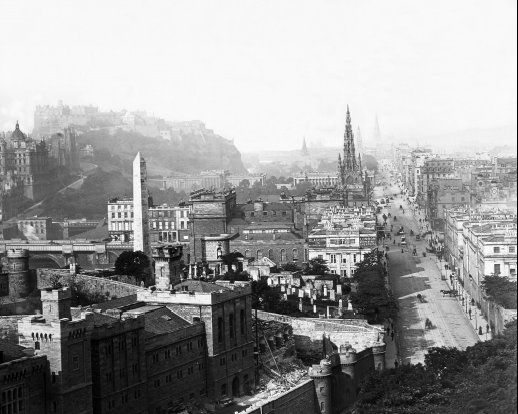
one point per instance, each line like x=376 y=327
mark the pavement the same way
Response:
x=410 y=275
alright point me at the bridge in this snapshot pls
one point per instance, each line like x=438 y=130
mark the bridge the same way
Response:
x=60 y=253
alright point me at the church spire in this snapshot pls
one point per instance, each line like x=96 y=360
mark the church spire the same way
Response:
x=350 y=163
x=304 y=147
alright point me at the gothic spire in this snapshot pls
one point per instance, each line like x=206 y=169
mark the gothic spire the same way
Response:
x=350 y=163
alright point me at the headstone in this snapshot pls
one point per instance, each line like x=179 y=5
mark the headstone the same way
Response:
x=339 y=289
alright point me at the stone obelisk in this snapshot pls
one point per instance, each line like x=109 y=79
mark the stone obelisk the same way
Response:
x=140 y=207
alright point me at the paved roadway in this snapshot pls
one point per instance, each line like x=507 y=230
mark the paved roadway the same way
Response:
x=410 y=275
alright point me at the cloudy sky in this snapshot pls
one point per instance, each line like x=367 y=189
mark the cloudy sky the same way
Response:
x=267 y=73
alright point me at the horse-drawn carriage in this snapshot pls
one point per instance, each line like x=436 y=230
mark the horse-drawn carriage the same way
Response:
x=451 y=292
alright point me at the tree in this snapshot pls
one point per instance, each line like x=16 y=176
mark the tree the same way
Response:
x=480 y=379
x=133 y=264
x=244 y=183
x=316 y=266
x=501 y=290
x=291 y=267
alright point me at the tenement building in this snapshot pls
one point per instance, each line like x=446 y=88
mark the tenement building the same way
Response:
x=343 y=237
x=167 y=223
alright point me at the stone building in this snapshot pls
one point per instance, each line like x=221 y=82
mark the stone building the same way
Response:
x=226 y=311
x=343 y=237
x=24 y=380
x=27 y=159
x=167 y=223
x=66 y=344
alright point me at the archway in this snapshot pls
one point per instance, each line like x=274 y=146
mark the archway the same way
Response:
x=45 y=261
x=235 y=386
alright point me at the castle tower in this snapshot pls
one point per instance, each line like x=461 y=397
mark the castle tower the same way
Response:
x=168 y=270
x=66 y=344
x=20 y=284
x=322 y=376
x=140 y=207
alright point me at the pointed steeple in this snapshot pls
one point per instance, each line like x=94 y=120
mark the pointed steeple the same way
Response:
x=359 y=140
x=377 y=131
x=304 y=147
x=350 y=163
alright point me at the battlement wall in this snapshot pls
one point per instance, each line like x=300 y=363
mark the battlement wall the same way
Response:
x=299 y=399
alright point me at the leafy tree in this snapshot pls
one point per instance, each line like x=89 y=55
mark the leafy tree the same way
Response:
x=372 y=298
x=480 y=379
x=501 y=290
x=291 y=267
x=133 y=264
x=316 y=266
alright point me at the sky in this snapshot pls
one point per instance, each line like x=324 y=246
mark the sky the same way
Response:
x=267 y=73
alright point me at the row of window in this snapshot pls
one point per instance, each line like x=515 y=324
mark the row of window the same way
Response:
x=265 y=213
x=179 y=375
x=231 y=326
x=178 y=349
x=270 y=254
x=499 y=249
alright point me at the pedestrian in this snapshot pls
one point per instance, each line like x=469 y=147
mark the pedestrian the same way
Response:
x=469 y=313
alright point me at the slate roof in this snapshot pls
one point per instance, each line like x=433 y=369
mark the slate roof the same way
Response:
x=116 y=303
x=11 y=351
x=159 y=319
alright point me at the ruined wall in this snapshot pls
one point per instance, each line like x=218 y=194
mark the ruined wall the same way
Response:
x=92 y=284
x=300 y=400
x=308 y=333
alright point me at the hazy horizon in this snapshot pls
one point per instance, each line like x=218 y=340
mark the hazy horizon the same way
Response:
x=266 y=74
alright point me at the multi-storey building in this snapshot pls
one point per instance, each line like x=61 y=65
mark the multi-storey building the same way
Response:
x=37 y=228
x=28 y=160
x=167 y=223
x=343 y=238
x=488 y=250
x=120 y=218
x=317 y=179
x=66 y=344
x=225 y=309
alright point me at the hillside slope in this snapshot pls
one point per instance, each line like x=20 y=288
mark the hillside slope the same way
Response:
x=187 y=153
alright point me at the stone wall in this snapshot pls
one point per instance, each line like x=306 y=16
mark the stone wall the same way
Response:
x=300 y=399
x=308 y=333
x=92 y=284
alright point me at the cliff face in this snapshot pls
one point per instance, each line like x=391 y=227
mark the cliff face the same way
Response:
x=185 y=152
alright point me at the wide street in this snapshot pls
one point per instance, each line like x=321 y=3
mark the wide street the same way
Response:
x=412 y=275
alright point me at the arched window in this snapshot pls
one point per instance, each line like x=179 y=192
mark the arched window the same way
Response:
x=218 y=253
x=247 y=253
x=259 y=254
x=295 y=254
x=283 y=255
x=270 y=254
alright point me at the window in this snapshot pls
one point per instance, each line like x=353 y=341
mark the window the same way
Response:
x=332 y=258
x=259 y=254
x=496 y=249
x=283 y=255
x=242 y=321
x=512 y=249
x=295 y=254
x=75 y=362
x=220 y=330
x=231 y=325
x=497 y=269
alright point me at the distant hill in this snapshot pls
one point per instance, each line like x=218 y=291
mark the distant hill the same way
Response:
x=185 y=152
